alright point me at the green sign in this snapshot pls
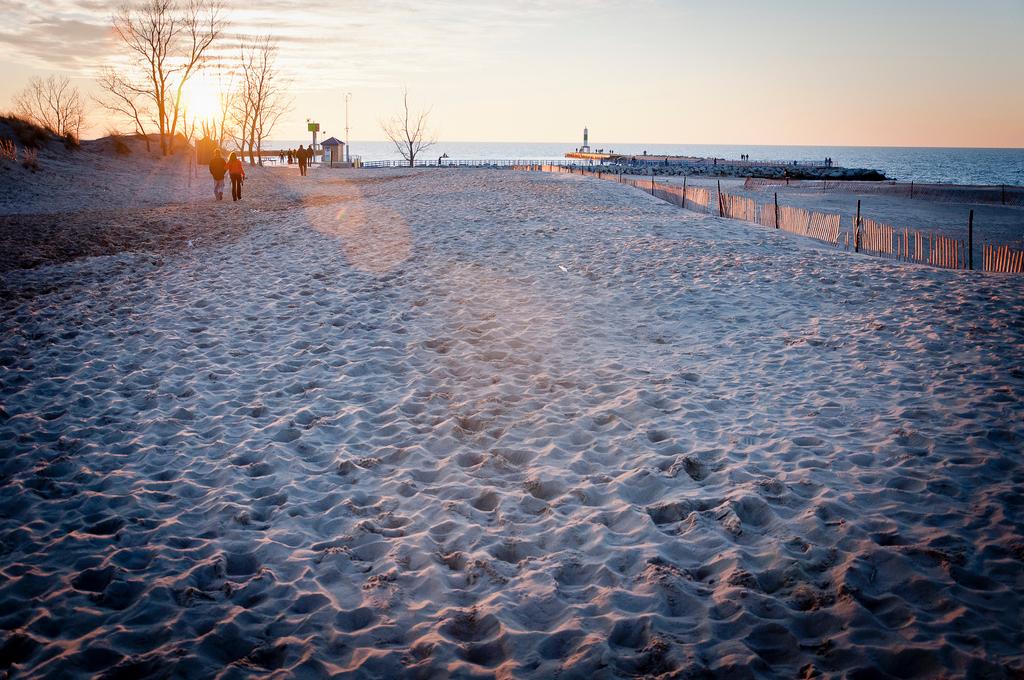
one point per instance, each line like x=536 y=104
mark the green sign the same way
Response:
x=313 y=127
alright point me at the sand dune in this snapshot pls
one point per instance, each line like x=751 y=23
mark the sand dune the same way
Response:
x=477 y=423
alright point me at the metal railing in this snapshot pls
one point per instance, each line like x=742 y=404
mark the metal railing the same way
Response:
x=465 y=163
x=569 y=162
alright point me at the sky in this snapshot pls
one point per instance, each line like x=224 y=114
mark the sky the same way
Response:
x=841 y=72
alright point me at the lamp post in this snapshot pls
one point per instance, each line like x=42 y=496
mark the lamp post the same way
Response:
x=348 y=155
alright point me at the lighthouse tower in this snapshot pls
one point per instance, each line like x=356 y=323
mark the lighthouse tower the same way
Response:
x=586 y=144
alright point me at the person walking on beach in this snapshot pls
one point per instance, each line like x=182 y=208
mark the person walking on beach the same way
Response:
x=237 y=176
x=218 y=168
x=301 y=153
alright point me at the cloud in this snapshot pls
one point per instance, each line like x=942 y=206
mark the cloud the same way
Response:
x=64 y=44
x=326 y=42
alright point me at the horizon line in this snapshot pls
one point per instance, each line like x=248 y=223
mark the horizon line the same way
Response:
x=848 y=146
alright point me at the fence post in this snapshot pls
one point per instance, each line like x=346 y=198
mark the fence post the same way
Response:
x=970 y=240
x=1002 y=194
x=652 y=182
x=911 y=188
x=856 y=230
x=721 y=206
x=684 y=191
x=776 y=209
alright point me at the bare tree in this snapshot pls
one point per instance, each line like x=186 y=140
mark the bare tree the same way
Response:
x=126 y=98
x=261 y=98
x=226 y=95
x=188 y=125
x=53 y=103
x=203 y=24
x=408 y=131
x=212 y=129
x=241 y=116
x=169 y=42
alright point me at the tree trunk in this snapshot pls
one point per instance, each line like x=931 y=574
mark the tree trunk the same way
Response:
x=161 y=115
x=252 y=140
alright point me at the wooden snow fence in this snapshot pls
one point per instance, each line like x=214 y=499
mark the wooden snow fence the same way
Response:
x=766 y=215
x=947 y=253
x=824 y=227
x=817 y=225
x=669 y=194
x=884 y=240
x=876 y=238
x=869 y=236
x=1002 y=194
x=1002 y=259
x=793 y=220
x=697 y=198
x=758 y=183
x=739 y=208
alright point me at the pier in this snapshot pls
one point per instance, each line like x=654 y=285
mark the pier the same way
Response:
x=720 y=167
x=662 y=164
x=647 y=159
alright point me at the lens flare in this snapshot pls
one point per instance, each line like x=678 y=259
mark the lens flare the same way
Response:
x=375 y=240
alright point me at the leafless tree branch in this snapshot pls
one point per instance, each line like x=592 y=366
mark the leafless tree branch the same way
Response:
x=261 y=99
x=53 y=103
x=170 y=43
x=122 y=96
x=408 y=131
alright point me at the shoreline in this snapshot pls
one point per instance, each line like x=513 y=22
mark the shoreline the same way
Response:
x=970 y=165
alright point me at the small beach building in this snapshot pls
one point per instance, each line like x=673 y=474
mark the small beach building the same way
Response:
x=334 y=151
x=204 y=150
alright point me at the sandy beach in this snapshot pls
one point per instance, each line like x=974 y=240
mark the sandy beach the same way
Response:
x=481 y=423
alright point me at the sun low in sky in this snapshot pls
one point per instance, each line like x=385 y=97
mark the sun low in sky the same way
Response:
x=202 y=98
x=844 y=72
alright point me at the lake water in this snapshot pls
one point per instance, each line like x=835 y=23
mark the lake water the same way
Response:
x=960 y=166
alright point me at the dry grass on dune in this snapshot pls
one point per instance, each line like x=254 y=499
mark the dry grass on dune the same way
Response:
x=25 y=132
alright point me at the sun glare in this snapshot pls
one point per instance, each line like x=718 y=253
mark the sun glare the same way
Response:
x=202 y=98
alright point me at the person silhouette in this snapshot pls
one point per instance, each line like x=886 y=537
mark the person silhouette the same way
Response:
x=218 y=168
x=237 y=173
